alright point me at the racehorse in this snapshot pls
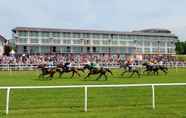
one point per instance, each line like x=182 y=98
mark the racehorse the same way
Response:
x=46 y=71
x=154 y=68
x=130 y=69
x=94 y=71
x=62 y=69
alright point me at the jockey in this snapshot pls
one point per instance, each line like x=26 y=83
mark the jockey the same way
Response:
x=93 y=65
x=67 y=65
x=161 y=63
x=129 y=64
x=50 y=64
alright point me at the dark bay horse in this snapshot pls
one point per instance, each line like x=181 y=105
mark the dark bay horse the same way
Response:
x=62 y=69
x=154 y=68
x=131 y=69
x=94 y=71
x=45 y=71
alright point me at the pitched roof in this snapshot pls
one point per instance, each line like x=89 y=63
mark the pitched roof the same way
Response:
x=2 y=38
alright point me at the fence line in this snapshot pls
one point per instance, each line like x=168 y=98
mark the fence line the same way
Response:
x=33 y=66
x=86 y=90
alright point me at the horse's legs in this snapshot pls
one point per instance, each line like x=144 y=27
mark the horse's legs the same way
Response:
x=122 y=74
x=51 y=75
x=87 y=75
x=99 y=76
x=40 y=76
x=60 y=74
x=105 y=77
x=72 y=74
x=109 y=71
x=164 y=71
x=138 y=73
x=156 y=72
x=131 y=74
x=77 y=73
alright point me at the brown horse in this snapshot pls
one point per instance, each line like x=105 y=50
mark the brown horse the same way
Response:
x=45 y=71
x=95 y=71
x=61 y=69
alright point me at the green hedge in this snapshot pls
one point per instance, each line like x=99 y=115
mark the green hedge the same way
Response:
x=181 y=57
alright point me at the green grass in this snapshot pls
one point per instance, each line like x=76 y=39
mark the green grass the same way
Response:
x=130 y=102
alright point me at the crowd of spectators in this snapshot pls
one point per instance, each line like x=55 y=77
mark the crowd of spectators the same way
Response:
x=76 y=59
x=59 y=58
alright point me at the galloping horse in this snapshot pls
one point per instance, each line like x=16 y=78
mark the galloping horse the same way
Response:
x=46 y=71
x=154 y=68
x=61 y=69
x=94 y=71
x=130 y=69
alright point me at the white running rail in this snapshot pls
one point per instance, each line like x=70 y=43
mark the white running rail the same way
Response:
x=86 y=90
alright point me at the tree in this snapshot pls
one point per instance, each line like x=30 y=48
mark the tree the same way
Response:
x=7 y=50
x=181 y=47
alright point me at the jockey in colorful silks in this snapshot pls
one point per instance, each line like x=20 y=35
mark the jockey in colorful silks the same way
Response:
x=67 y=65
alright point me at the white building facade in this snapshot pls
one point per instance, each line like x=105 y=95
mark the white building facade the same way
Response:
x=64 y=41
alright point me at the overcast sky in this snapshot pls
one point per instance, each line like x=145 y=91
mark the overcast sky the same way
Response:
x=119 y=15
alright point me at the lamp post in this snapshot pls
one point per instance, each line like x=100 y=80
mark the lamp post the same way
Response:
x=109 y=46
x=135 y=46
x=81 y=40
x=158 y=47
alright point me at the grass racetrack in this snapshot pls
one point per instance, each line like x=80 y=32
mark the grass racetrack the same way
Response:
x=122 y=102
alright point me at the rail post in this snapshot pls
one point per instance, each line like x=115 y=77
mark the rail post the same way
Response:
x=85 y=100
x=7 y=100
x=153 y=97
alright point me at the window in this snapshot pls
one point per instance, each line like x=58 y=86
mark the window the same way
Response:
x=45 y=34
x=34 y=49
x=95 y=36
x=122 y=50
x=66 y=41
x=113 y=50
x=45 y=49
x=131 y=50
x=170 y=44
x=146 y=43
x=23 y=33
x=34 y=34
x=66 y=34
x=114 y=42
x=76 y=35
x=46 y=41
x=76 y=49
x=86 y=35
x=105 y=42
x=56 y=41
x=76 y=41
x=105 y=49
x=115 y=36
x=122 y=42
x=56 y=34
x=96 y=42
x=139 y=43
x=34 y=40
x=105 y=36
x=22 y=40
